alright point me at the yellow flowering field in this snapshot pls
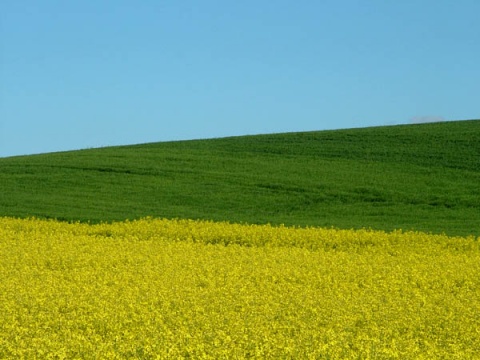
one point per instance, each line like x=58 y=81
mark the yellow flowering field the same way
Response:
x=178 y=289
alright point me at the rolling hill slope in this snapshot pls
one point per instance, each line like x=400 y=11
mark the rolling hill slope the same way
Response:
x=424 y=177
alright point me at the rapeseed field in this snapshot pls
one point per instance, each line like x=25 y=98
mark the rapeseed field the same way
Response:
x=178 y=289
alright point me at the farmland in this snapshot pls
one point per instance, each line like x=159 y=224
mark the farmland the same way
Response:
x=188 y=289
x=346 y=244
x=412 y=177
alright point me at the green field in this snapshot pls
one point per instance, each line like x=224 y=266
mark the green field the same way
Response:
x=423 y=177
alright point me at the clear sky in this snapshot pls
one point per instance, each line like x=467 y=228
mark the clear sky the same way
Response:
x=81 y=74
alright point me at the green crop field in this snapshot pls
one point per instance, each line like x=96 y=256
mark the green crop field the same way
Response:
x=422 y=177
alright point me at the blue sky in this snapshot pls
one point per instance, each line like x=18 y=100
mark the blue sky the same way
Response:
x=81 y=74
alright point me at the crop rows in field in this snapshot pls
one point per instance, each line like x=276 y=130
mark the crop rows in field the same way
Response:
x=178 y=288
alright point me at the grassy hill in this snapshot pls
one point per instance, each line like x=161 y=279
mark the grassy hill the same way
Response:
x=424 y=177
